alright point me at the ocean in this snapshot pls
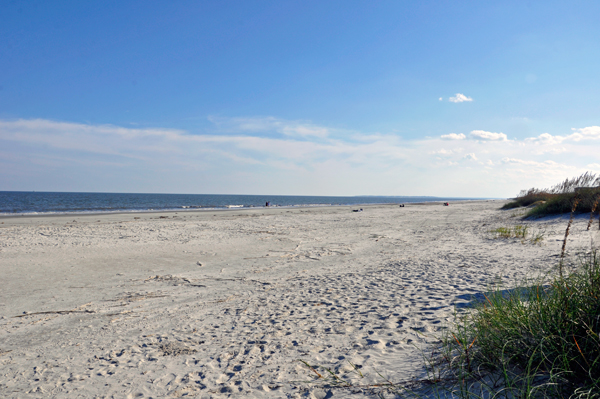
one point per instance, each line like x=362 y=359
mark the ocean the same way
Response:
x=21 y=202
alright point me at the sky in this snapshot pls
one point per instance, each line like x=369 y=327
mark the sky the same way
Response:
x=442 y=98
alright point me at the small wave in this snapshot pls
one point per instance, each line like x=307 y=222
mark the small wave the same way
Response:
x=28 y=203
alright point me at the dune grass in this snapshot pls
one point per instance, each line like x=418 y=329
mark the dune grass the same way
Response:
x=518 y=231
x=522 y=232
x=527 y=198
x=563 y=203
x=560 y=198
x=540 y=341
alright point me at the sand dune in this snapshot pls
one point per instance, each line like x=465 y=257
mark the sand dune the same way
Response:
x=225 y=304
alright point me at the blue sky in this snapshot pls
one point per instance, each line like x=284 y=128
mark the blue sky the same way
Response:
x=298 y=97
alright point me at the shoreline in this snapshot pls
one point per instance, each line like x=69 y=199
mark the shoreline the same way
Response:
x=224 y=304
x=232 y=209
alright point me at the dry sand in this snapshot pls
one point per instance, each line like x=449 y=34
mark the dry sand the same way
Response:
x=224 y=304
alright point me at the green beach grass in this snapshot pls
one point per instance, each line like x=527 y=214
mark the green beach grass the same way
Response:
x=561 y=197
x=522 y=232
x=541 y=341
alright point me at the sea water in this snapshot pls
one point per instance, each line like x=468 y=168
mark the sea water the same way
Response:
x=21 y=202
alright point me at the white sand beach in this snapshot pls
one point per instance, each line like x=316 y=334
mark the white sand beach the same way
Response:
x=225 y=303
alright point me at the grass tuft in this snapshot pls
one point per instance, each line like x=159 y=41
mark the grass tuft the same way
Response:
x=559 y=198
x=594 y=207
x=519 y=231
x=540 y=341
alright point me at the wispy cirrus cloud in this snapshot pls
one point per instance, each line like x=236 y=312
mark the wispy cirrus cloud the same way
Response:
x=528 y=162
x=267 y=154
x=270 y=125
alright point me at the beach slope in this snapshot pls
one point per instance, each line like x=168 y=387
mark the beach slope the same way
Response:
x=232 y=303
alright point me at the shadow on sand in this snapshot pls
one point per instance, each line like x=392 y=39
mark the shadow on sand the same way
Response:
x=474 y=300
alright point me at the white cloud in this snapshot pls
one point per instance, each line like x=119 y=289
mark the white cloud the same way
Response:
x=550 y=151
x=300 y=130
x=459 y=98
x=258 y=155
x=591 y=132
x=515 y=160
x=546 y=138
x=528 y=162
x=453 y=136
x=269 y=125
x=583 y=134
x=442 y=152
x=441 y=99
x=487 y=136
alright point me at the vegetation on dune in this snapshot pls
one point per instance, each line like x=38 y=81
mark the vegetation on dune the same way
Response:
x=539 y=340
x=560 y=198
x=522 y=232
x=536 y=342
x=517 y=231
